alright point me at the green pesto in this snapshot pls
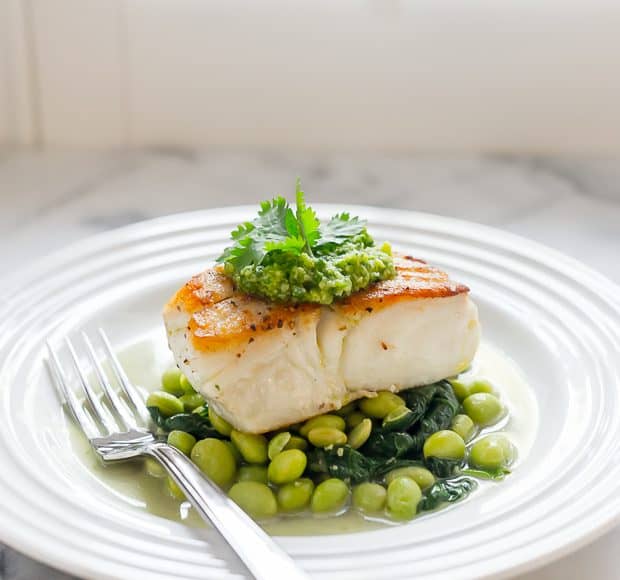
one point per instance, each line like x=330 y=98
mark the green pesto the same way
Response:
x=324 y=276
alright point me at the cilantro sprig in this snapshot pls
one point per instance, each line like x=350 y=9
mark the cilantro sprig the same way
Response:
x=279 y=228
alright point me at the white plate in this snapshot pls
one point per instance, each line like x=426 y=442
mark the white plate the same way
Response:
x=557 y=319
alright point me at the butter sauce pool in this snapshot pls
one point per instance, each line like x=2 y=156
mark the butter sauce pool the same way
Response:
x=146 y=359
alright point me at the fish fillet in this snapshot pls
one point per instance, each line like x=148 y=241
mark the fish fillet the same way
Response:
x=263 y=365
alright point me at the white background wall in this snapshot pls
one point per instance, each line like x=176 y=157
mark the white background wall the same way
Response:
x=17 y=116
x=533 y=76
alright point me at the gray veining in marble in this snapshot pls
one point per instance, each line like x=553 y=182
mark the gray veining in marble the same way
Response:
x=52 y=199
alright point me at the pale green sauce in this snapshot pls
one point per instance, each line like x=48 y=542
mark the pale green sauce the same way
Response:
x=128 y=482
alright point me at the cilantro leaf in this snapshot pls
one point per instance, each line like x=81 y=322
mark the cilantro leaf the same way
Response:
x=245 y=252
x=293 y=244
x=292 y=227
x=251 y=238
x=307 y=222
x=242 y=231
x=340 y=228
x=271 y=221
x=278 y=228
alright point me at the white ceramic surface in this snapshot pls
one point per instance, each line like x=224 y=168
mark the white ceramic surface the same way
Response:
x=557 y=319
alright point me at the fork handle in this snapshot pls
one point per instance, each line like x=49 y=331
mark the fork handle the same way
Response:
x=261 y=555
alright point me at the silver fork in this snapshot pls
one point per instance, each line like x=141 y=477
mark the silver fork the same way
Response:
x=120 y=436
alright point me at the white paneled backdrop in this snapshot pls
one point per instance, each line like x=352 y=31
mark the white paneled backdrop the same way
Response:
x=17 y=111
x=523 y=76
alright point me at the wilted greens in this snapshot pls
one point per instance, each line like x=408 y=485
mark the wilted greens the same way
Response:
x=415 y=435
x=196 y=424
x=431 y=409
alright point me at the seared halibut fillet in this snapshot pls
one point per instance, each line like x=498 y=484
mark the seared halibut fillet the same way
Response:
x=263 y=365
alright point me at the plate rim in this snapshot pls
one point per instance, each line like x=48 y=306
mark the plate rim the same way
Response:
x=85 y=243
x=125 y=233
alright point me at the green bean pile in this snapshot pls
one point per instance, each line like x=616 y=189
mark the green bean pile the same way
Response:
x=388 y=456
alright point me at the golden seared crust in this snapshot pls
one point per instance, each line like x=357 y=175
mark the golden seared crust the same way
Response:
x=242 y=318
x=221 y=317
x=414 y=279
x=203 y=290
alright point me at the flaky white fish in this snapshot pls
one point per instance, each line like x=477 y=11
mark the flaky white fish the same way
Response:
x=263 y=366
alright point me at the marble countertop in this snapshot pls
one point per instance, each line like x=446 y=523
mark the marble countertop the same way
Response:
x=48 y=200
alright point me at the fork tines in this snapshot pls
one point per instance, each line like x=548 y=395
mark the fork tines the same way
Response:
x=104 y=414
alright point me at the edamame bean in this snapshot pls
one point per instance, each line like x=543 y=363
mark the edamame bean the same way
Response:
x=354 y=419
x=174 y=490
x=167 y=404
x=182 y=441
x=214 y=458
x=399 y=419
x=422 y=476
x=325 y=436
x=170 y=382
x=403 y=497
x=461 y=390
x=295 y=495
x=296 y=442
x=329 y=496
x=154 y=468
x=254 y=498
x=278 y=443
x=481 y=386
x=463 y=425
x=191 y=401
x=186 y=385
x=234 y=451
x=331 y=421
x=492 y=452
x=360 y=433
x=369 y=497
x=483 y=408
x=287 y=466
x=445 y=445
x=253 y=448
x=380 y=406
x=220 y=424
x=253 y=473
